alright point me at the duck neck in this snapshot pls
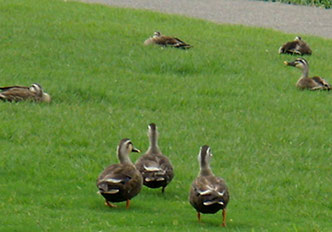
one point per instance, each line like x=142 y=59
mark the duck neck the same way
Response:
x=124 y=158
x=205 y=169
x=305 y=71
x=153 y=147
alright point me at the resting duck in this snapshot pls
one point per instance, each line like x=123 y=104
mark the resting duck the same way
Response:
x=166 y=41
x=297 y=46
x=208 y=193
x=22 y=93
x=156 y=169
x=120 y=182
x=306 y=82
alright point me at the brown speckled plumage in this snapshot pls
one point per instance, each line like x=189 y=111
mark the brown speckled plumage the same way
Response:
x=166 y=41
x=23 y=93
x=306 y=82
x=297 y=46
x=120 y=182
x=156 y=169
x=208 y=193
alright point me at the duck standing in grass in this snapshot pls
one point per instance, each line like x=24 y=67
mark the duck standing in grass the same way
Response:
x=120 y=182
x=208 y=193
x=166 y=41
x=306 y=82
x=297 y=46
x=24 y=93
x=156 y=169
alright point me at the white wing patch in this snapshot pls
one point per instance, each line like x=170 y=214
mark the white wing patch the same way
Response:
x=207 y=203
x=210 y=189
x=112 y=180
x=152 y=169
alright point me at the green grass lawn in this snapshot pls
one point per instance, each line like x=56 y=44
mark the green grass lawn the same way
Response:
x=271 y=142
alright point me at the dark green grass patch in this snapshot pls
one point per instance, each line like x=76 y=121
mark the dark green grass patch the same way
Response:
x=271 y=142
x=320 y=3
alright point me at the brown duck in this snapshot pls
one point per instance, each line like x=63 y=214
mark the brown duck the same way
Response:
x=166 y=41
x=156 y=169
x=297 y=46
x=306 y=82
x=24 y=93
x=120 y=182
x=208 y=193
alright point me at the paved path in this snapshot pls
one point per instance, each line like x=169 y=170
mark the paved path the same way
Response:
x=288 y=18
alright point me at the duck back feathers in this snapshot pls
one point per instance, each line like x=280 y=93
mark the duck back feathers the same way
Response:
x=208 y=193
x=156 y=169
x=22 y=93
x=166 y=41
x=297 y=46
x=120 y=182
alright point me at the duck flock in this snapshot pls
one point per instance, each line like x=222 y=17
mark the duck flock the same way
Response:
x=124 y=180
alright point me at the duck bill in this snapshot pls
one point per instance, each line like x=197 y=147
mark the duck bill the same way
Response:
x=290 y=63
x=135 y=150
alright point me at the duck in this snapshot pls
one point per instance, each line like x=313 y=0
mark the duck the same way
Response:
x=24 y=93
x=156 y=168
x=297 y=46
x=306 y=82
x=208 y=193
x=122 y=181
x=166 y=41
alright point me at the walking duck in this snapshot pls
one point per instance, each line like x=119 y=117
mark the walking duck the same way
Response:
x=166 y=41
x=306 y=82
x=208 y=193
x=120 y=182
x=22 y=93
x=156 y=169
x=297 y=46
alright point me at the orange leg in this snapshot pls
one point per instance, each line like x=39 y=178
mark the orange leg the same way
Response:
x=110 y=204
x=127 y=204
x=199 y=216
x=223 y=218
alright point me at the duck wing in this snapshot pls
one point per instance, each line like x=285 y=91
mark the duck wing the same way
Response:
x=120 y=178
x=155 y=167
x=209 y=190
x=16 y=93
x=12 y=87
x=322 y=82
x=303 y=48
x=171 y=41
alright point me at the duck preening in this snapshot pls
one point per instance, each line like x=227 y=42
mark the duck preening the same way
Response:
x=120 y=182
x=156 y=169
x=24 y=93
x=208 y=193
x=166 y=41
x=306 y=82
x=297 y=46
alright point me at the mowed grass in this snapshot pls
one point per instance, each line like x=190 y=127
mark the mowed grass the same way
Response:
x=271 y=142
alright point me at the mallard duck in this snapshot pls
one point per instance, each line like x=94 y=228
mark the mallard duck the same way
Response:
x=21 y=93
x=297 y=46
x=156 y=169
x=120 y=182
x=166 y=41
x=306 y=82
x=208 y=193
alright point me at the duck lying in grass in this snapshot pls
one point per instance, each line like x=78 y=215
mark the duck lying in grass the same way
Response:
x=297 y=46
x=208 y=193
x=156 y=169
x=306 y=82
x=166 y=41
x=120 y=182
x=24 y=93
